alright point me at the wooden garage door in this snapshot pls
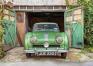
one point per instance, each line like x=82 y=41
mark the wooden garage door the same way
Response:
x=74 y=27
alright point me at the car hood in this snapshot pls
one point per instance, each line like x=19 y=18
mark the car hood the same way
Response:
x=43 y=36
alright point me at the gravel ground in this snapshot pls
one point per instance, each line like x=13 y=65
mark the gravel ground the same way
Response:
x=17 y=55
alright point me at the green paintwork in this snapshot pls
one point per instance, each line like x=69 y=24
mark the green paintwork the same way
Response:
x=10 y=32
x=77 y=36
x=41 y=39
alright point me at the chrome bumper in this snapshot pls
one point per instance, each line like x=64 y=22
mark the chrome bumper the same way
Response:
x=35 y=50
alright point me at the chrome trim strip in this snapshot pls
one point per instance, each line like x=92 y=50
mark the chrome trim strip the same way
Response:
x=45 y=50
x=46 y=37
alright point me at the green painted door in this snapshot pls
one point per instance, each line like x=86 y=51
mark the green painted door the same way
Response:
x=74 y=27
x=9 y=25
x=77 y=35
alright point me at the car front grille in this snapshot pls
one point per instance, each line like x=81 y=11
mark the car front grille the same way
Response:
x=42 y=46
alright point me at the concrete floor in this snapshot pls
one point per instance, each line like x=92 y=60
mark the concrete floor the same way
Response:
x=17 y=56
x=47 y=64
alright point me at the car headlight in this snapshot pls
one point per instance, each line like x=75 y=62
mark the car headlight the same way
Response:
x=59 y=39
x=33 y=39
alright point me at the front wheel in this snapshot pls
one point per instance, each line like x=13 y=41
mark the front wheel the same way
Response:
x=63 y=55
x=28 y=55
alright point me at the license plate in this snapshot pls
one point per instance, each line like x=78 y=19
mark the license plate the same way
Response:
x=46 y=53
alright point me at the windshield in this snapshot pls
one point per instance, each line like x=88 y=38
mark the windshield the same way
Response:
x=46 y=27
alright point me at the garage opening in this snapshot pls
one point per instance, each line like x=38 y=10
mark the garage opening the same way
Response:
x=35 y=17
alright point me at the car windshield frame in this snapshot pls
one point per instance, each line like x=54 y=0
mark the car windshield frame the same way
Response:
x=46 y=27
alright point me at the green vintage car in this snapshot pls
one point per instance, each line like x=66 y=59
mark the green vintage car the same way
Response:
x=46 y=39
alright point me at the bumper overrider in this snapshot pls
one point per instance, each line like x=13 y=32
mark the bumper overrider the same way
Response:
x=35 y=50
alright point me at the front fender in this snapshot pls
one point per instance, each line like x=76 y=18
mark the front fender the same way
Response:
x=64 y=44
x=27 y=43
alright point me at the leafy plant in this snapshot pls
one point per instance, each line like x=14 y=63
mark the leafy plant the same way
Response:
x=88 y=20
x=1 y=44
x=1 y=34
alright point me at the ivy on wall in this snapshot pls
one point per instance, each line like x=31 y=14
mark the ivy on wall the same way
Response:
x=88 y=20
x=1 y=34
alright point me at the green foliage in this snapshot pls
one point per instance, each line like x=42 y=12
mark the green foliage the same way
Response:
x=88 y=20
x=69 y=6
x=1 y=44
x=2 y=53
x=87 y=50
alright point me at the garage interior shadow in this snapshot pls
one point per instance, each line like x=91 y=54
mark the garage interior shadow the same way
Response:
x=36 y=17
